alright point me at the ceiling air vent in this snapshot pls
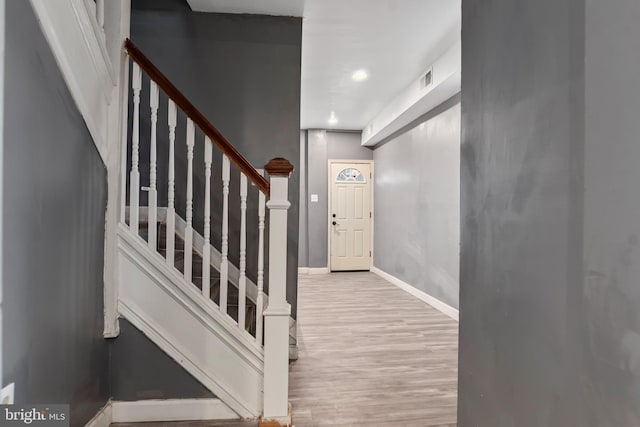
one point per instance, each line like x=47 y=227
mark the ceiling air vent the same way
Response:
x=427 y=79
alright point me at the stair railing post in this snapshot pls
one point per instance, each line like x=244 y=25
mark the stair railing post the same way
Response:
x=276 y=315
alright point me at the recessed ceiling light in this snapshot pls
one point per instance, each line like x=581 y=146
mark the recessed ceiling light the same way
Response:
x=333 y=120
x=360 y=75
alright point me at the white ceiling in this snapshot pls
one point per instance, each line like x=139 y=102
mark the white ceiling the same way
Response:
x=393 y=40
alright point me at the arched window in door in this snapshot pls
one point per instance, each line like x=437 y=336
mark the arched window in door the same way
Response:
x=350 y=175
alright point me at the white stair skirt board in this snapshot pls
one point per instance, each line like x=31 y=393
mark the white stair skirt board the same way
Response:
x=162 y=410
x=216 y=259
x=83 y=59
x=421 y=295
x=188 y=327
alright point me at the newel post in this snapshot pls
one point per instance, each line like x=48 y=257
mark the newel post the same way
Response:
x=276 y=315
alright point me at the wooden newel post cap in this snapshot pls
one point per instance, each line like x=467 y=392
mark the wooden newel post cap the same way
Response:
x=279 y=167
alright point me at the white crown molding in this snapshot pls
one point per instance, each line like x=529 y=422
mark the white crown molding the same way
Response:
x=83 y=60
x=423 y=296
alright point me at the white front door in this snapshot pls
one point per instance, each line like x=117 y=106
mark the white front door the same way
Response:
x=350 y=216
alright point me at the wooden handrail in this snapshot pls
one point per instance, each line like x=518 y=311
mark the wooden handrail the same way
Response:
x=198 y=118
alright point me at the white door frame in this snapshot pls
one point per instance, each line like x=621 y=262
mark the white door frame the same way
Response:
x=329 y=189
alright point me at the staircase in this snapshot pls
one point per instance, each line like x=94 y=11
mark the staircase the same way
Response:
x=179 y=289
x=196 y=269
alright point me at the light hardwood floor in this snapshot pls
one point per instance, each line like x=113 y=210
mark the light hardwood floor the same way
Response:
x=371 y=355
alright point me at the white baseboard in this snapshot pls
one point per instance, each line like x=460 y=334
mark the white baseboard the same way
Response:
x=102 y=418
x=309 y=270
x=421 y=295
x=162 y=410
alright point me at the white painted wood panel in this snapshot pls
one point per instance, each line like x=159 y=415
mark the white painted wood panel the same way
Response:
x=79 y=49
x=205 y=342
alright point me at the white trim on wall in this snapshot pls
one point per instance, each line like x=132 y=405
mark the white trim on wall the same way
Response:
x=102 y=418
x=83 y=60
x=171 y=410
x=311 y=270
x=421 y=295
x=162 y=410
x=371 y=201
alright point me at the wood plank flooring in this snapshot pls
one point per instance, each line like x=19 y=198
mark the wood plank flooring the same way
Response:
x=371 y=355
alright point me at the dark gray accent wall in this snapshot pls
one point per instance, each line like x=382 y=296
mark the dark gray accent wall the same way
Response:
x=323 y=146
x=417 y=204
x=243 y=73
x=141 y=370
x=174 y=5
x=549 y=332
x=54 y=186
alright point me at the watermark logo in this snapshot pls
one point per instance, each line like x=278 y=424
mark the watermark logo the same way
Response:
x=34 y=415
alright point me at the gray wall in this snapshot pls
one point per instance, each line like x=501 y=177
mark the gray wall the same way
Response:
x=321 y=147
x=243 y=73
x=417 y=204
x=2 y=58
x=549 y=331
x=141 y=370
x=610 y=293
x=54 y=186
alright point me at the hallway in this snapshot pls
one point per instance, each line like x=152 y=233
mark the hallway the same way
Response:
x=371 y=355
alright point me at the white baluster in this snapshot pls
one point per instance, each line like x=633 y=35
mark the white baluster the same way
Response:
x=260 y=299
x=224 y=264
x=171 y=209
x=242 y=281
x=153 y=191
x=276 y=316
x=188 y=230
x=100 y=14
x=134 y=176
x=206 y=250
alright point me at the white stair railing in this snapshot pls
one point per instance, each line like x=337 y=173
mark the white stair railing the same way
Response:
x=269 y=327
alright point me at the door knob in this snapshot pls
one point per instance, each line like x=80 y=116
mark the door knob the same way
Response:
x=334 y=223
